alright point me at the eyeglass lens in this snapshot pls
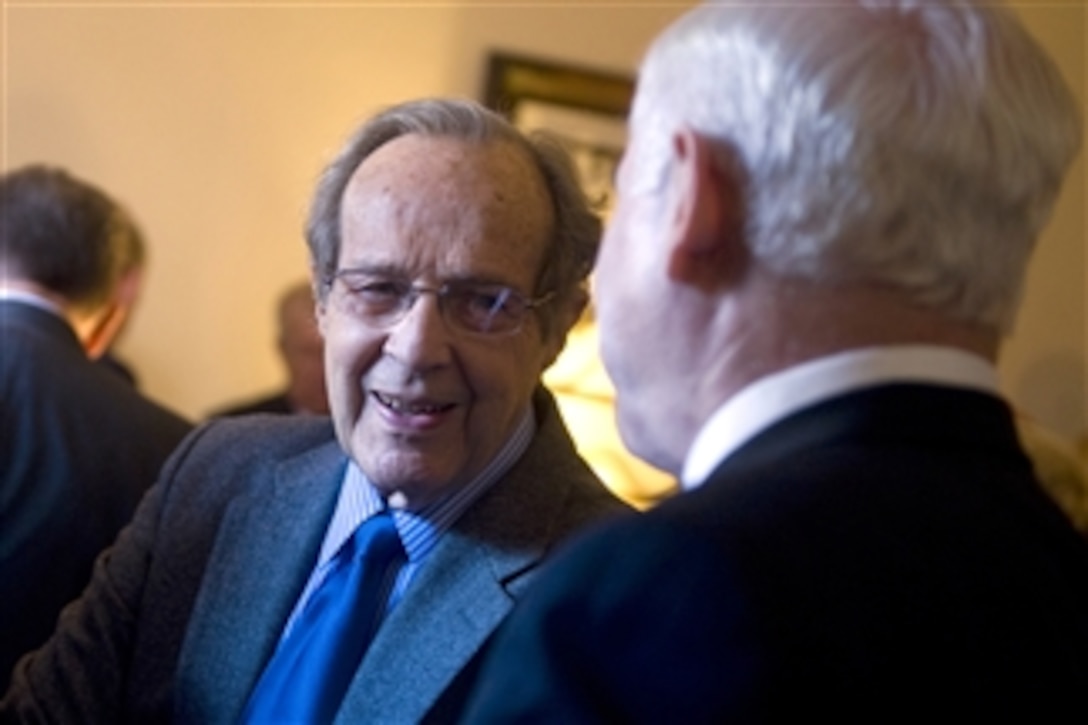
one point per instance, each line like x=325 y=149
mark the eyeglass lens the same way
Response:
x=480 y=308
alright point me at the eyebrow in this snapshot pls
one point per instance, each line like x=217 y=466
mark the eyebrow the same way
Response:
x=393 y=272
x=378 y=270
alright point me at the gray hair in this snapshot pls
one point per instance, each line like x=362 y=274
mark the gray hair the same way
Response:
x=913 y=144
x=577 y=231
x=64 y=234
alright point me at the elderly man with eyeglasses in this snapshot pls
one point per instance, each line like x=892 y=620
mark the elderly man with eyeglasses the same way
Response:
x=450 y=255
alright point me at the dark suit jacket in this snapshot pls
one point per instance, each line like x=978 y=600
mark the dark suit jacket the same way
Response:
x=883 y=556
x=277 y=403
x=186 y=609
x=78 y=448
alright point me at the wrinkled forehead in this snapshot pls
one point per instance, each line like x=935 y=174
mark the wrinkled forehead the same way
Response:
x=429 y=191
x=431 y=163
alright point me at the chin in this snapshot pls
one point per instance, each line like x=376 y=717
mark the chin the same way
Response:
x=641 y=441
x=418 y=485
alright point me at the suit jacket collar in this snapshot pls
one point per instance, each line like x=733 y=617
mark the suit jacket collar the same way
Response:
x=265 y=548
x=781 y=394
x=937 y=417
x=17 y=312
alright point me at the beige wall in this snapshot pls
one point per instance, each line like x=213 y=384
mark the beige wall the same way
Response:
x=212 y=122
x=1043 y=366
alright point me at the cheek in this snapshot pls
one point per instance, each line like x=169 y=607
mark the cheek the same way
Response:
x=611 y=271
x=349 y=353
x=502 y=381
x=622 y=291
x=498 y=380
x=606 y=271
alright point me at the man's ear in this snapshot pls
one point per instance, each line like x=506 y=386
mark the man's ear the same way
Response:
x=565 y=321
x=706 y=229
x=99 y=331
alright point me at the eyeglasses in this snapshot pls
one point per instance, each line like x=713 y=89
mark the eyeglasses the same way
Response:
x=488 y=309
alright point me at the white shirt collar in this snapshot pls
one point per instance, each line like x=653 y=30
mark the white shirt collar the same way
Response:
x=774 y=397
x=29 y=298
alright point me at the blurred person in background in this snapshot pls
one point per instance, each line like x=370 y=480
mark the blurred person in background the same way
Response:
x=1059 y=468
x=78 y=445
x=131 y=271
x=301 y=349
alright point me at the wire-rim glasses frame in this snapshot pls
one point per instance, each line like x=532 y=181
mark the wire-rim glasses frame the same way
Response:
x=480 y=308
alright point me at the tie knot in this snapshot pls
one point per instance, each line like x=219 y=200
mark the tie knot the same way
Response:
x=376 y=540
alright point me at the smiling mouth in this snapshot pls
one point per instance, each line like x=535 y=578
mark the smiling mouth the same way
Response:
x=404 y=407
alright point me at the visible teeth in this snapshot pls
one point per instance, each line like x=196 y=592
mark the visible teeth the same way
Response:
x=402 y=407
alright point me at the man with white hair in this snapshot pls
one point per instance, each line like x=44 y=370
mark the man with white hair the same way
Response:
x=824 y=218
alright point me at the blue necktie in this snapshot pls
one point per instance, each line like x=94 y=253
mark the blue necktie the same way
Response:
x=308 y=675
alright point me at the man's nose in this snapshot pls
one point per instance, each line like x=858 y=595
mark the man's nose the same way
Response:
x=421 y=338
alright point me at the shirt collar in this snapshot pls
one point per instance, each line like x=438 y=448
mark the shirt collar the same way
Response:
x=419 y=530
x=774 y=397
x=29 y=298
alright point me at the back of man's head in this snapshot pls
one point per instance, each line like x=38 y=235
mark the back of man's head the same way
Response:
x=912 y=145
x=63 y=235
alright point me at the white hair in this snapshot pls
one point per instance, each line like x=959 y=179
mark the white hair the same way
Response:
x=916 y=144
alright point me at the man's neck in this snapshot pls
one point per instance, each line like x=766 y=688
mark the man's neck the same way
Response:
x=33 y=294
x=774 y=325
x=793 y=323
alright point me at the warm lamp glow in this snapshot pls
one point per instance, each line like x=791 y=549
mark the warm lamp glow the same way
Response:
x=586 y=397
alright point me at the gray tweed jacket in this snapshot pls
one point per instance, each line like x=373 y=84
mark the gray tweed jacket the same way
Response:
x=185 y=609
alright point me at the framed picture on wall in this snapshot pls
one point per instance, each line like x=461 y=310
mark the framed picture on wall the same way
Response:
x=585 y=108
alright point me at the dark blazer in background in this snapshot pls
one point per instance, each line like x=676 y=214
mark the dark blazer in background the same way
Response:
x=182 y=616
x=78 y=448
x=883 y=556
x=277 y=403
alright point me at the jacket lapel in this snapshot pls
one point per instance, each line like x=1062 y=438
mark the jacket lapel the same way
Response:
x=468 y=584
x=265 y=550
